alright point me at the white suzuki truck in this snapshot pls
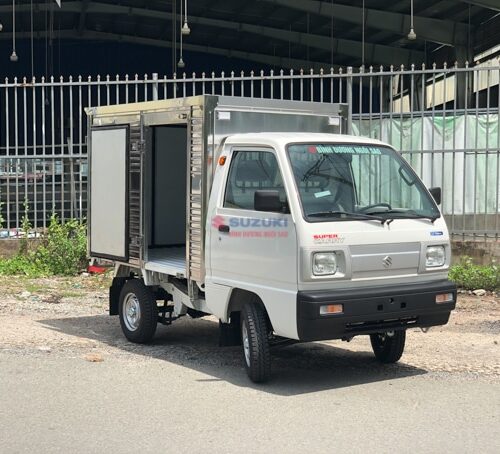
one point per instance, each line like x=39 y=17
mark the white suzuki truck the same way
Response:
x=266 y=215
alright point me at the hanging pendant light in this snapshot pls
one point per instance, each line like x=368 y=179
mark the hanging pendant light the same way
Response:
x=181 y=63
x=13 y=57
x=185 y=28
x=412 y=36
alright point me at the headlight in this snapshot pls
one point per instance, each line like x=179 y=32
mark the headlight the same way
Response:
x=324 y=263
x=436 y=256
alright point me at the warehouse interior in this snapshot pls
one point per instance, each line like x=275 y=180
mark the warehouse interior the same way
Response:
x=137 y=36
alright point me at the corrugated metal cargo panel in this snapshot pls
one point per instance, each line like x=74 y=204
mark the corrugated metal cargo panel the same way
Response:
x=195 y=209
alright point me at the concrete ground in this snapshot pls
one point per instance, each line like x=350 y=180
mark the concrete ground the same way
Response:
x=69 y=382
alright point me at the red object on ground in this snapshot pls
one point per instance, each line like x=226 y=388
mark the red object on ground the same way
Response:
x=96 y=269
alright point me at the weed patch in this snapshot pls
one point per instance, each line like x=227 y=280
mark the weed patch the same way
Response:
x=469 y=276
x=62 y=251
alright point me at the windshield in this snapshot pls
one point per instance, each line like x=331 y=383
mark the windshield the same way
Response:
x=344 y=181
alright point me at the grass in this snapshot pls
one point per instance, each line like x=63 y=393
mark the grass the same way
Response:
x=65 y=287
x=469 y=276
x=62 y=251
x=69 y=294
x=35 y=287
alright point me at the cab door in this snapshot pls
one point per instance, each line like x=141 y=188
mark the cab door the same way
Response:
x=250 y=249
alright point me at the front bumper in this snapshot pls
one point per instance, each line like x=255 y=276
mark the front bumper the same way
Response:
x=373 y=309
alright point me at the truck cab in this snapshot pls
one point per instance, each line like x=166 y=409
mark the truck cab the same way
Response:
x=335 y=234
x=303 y=234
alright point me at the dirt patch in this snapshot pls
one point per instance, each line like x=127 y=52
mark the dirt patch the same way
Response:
x=68 y=316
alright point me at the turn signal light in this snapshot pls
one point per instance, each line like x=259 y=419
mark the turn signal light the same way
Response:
x=331 y=309
x=444 y=298
x=222 y=160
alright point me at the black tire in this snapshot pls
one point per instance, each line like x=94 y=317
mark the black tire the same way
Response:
x=388 y=348
x=143 y=330
x=256 y=354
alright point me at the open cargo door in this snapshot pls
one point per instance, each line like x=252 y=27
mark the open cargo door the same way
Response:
x=109 y=193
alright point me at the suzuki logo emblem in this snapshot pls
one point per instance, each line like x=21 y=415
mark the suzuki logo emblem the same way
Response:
x=387 y=261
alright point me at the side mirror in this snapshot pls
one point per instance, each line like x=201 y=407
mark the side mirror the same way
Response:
x=267 y=201
x=436 y=193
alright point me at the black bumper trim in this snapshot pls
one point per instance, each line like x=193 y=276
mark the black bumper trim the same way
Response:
x=373 y=309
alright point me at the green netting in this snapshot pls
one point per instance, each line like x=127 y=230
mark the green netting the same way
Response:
x=458 y=153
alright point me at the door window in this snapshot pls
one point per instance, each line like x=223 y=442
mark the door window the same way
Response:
x=252 y=171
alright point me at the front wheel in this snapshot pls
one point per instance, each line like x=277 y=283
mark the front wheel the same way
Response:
x=388 y=347
x=138 y=312
x=255 y=339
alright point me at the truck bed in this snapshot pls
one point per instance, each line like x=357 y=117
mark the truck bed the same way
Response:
x=169 y=260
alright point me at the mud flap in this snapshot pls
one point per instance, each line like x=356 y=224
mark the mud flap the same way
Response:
x=229 y=333
x=114 y=294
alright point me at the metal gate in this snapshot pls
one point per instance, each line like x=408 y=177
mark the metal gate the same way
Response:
x=445 y=121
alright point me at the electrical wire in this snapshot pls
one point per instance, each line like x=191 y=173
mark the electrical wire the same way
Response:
x=363 y=36
x=46 y=40
x=32 y=44
x=331 y=35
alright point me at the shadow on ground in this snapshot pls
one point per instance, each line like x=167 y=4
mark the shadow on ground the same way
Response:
x=297 y=369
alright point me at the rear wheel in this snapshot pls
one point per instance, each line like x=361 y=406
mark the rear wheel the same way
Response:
x=138 y=312
x=255 y=339
x=388 y=347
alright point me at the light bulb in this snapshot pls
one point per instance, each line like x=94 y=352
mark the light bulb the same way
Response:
x=181 y=63
x=14 y=57
x=1 y=27
x=412 y=36
x=185 y=29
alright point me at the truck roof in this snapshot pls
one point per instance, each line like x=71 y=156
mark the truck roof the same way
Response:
x=283 y=138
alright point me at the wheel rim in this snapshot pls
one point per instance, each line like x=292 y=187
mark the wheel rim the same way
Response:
x=131 y=312
x=246 y=343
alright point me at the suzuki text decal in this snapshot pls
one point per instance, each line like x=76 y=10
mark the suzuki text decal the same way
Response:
x=243 y=227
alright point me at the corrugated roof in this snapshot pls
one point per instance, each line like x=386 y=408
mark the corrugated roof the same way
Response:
x=290 y=32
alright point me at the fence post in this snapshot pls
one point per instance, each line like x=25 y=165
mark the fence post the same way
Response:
x=155 y=86
x=349 y=99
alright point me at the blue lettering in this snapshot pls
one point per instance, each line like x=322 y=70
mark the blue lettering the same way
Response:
x=280 y=222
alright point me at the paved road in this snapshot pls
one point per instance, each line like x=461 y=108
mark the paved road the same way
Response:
x=340 y=402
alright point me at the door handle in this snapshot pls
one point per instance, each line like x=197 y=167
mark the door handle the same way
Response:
x=224 y=228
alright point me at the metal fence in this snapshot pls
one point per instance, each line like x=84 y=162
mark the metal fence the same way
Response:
x=445 y=121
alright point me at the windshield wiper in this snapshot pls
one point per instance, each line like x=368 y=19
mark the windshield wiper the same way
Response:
x=407 y=214
x=423 y=216
x=347 y=214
